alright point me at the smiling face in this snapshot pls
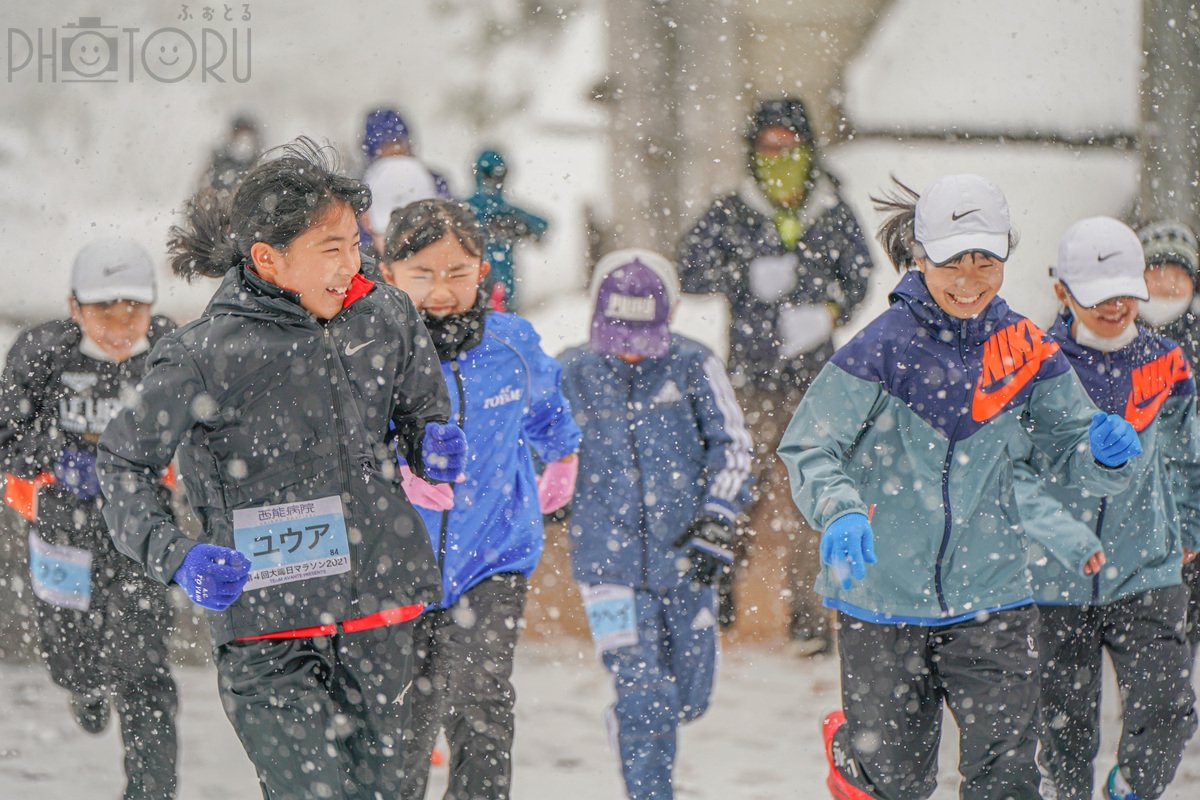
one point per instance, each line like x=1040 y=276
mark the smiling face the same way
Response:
x=1169 y=281
x=442 y=278
x=963 y=287
x=116 y=327
x=1108 y=319
x=89 y=54
x=318 y=264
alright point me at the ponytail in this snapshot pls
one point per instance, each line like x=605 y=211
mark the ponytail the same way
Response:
x=896 y=233
x=203 y=244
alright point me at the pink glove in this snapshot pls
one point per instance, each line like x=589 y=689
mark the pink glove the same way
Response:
x=556 y=486
x=434 y=496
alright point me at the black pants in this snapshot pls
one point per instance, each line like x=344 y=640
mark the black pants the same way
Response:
x=464 y=666
x=118 y=649
x=1191 y=578
x=895 y=679
x=1143 y=634
x=322 y=717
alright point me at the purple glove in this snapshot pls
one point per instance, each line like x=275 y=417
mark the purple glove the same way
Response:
x=213 y=576
x=847 y=546
x=75 y=471
x=556 y=484
x=434 y=496
x=444 y=450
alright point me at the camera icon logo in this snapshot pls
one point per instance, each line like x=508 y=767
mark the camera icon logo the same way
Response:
x=89 y=50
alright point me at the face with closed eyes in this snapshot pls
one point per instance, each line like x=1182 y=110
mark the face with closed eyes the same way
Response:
x=441 y=278
x=964 y=286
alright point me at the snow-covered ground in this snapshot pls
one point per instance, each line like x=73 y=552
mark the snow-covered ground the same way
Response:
x=760 y=740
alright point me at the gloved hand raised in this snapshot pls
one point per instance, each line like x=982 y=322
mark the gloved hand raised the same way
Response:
x=556 y=484
x=213 y=576
x=75 y=471
x=1113 y=440
x=709 y=541
x=434 y=496
x=847 y=546
x=444 y=450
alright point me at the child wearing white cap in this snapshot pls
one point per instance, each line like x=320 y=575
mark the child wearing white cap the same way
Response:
x=1107 y=570
x=103 y=624
x=899 y=454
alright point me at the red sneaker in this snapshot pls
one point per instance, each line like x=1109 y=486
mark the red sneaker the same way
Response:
x=839 y=787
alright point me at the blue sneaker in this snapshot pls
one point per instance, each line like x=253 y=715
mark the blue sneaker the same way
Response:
x=1116 y=787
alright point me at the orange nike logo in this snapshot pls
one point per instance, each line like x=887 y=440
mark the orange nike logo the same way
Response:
x=1012 y=356
x=1152 y=383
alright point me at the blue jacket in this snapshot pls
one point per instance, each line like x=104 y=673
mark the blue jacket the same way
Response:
x=663 y=442
x=504 y=224
x=1143 y=528
x=505 y=394
x=915 y=419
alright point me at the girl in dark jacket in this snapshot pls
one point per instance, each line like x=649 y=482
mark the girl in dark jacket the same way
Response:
x=285 y=399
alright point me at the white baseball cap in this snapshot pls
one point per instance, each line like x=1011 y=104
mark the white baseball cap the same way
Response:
x=113 y=269
x=960 y=214
x=395 y=181
x=1100 y=258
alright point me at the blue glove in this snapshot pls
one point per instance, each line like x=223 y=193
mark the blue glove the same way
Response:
x=213 y=576
x=75 y=471
x=1113 y=440
x=847 y=546
x=710 y=544
x=444 y=450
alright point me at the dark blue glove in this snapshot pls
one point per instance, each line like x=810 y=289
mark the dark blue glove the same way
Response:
x=847 y=546
x=444 y=450
x=1113 y=440
x=213 y=576
x=75 y=471
x=709 y=542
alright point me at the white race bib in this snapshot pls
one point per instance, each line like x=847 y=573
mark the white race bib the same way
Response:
x=62 y=576
x=611 y=613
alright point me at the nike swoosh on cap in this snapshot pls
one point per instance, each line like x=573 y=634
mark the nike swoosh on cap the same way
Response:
x=1107 y=257
x=957 y=217
x=112 y=270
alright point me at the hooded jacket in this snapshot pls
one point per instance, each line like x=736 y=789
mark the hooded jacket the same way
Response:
x=1150 y=384
x=278 y=416
x=664 y=443
x=505 y=394
x=910 y=424
x=504 y=223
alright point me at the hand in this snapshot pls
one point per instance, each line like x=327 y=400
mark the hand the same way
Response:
x=1113 y=440
x=1094 y=563
x=847 y=546
x=803 y=328
x=213 y=576
x=434 y=496
x=1189 y=555
x=709 y=541
x=556 y=484
x=75 y=471
x=444 y=450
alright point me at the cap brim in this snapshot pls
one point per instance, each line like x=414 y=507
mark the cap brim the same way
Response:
x=1094 y=292
x=617 y=337
x=942 y=250
x=111 y=294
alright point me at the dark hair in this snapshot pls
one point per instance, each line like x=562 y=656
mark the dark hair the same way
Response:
x=291 y=189
x=418 y=225
x=897 y=233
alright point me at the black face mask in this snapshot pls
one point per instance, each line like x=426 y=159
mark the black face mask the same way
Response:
x=456 y=333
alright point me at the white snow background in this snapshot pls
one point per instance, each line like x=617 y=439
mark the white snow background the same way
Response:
x=77 y=160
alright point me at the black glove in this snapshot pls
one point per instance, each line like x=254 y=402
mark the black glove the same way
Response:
x=709 y=542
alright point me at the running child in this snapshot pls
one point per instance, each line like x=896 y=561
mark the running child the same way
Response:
x=659 y=421
x=285 y=400
x=1114 y=582
x=487 y=530
x=906 y=431
x=102 y=623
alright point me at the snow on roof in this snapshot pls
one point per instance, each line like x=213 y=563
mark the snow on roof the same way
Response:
x=1019 y=67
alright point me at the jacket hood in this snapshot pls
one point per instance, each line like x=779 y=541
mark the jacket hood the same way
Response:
x=913 y=293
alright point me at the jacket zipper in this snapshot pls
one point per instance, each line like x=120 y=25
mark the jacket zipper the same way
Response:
x=949 y=516
x=633 y=449
x=462 y=424
x=331 y=349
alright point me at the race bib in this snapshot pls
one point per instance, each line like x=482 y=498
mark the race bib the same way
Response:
x=611 y=615
x=62 y=576
x=292 y=541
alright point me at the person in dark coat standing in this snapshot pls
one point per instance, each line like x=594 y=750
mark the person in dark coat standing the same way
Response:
x=788 y=253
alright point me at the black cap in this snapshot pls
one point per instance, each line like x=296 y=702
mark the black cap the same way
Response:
x=786 y=112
